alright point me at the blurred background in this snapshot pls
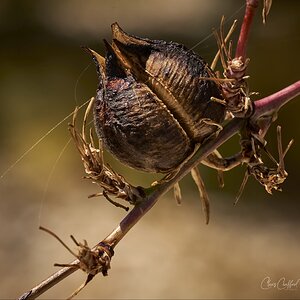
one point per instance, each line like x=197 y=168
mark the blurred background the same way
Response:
x=171 y=253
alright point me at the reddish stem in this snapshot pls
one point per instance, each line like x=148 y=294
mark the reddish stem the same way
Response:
x=251 y=6
x=271 y=104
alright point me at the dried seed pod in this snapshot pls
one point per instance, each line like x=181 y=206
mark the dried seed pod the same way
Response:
x=152 y=106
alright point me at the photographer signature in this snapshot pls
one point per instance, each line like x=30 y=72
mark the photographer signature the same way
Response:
x=280 y=284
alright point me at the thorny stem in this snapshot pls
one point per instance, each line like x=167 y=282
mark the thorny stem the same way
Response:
x=251 y=6
x=271 y=104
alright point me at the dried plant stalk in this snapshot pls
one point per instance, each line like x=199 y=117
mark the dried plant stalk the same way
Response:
x=253 y=127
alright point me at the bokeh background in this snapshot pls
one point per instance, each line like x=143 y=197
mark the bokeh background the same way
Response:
x=171 y=253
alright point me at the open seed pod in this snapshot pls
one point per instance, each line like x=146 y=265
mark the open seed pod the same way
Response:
x=152 y=106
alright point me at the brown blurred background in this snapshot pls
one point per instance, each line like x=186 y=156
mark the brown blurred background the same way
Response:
x=171 y=253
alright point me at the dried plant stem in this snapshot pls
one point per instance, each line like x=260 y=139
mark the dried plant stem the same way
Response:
x=251 y=6
x=263 y=107
x=268 y=104
x=49 y=282
x=140 y=210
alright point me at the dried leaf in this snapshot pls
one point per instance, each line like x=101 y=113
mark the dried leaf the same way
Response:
x=202 y=191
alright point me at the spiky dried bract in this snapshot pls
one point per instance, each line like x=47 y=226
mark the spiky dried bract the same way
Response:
x=234 y=88
x=270 y=178
x=93 y=261
x=90 y=260
x=99 y=172
x=237 y=99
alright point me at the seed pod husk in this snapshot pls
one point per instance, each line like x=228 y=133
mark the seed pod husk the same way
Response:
x=151 y=102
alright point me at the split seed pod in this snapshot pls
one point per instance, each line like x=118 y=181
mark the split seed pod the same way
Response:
x=152 y=105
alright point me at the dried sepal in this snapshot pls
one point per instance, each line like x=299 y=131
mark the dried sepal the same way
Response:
x=223 y=43
x=234 y=86
x=98 y=171
x=270 y=178
x=177 y=193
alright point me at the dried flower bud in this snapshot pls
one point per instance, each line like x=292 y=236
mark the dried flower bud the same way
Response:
x=152 y=104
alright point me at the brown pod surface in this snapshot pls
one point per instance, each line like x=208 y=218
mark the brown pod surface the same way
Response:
x=174 y=73
x=151 y=102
